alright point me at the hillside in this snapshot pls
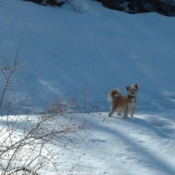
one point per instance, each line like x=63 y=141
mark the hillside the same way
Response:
x=96 y=49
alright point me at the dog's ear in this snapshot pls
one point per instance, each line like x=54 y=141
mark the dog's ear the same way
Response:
x=127 y=88
x=136 y=87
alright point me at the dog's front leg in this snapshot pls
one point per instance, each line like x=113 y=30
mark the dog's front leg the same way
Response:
x=132 y=112
x=126 y=111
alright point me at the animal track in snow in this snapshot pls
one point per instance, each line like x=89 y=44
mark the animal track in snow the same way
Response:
x=168 y=130
x=158 y=123
x=163 y=125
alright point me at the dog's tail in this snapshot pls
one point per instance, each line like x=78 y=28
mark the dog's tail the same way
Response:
x=114 y=93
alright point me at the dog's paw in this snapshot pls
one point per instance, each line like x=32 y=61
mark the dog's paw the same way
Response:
x=125 y=116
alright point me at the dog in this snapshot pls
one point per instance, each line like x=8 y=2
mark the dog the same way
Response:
x=123 y=104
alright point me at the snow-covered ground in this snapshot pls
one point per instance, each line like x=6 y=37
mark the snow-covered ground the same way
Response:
x=143 y=145
x=85 y=54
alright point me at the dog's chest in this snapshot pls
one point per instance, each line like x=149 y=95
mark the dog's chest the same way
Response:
x=132 y=104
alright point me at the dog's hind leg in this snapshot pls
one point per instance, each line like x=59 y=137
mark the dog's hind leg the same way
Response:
x=111 y=111
x=120 y=110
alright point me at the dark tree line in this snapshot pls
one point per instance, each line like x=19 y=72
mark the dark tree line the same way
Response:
x=48 y=2
x=165 y=7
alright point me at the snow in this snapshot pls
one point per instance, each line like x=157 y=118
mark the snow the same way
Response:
x=96 y=48
x=85 y=54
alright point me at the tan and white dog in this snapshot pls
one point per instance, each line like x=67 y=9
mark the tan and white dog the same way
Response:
x=123 y=104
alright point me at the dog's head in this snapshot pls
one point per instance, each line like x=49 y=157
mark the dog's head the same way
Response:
x=132 y=90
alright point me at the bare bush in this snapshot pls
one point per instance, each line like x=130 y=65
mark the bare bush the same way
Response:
x=30 y=144
x=85 y=104
x=8 y=71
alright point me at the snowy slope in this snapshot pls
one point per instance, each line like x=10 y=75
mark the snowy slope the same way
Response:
x=97 y=49
x=63 y=52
